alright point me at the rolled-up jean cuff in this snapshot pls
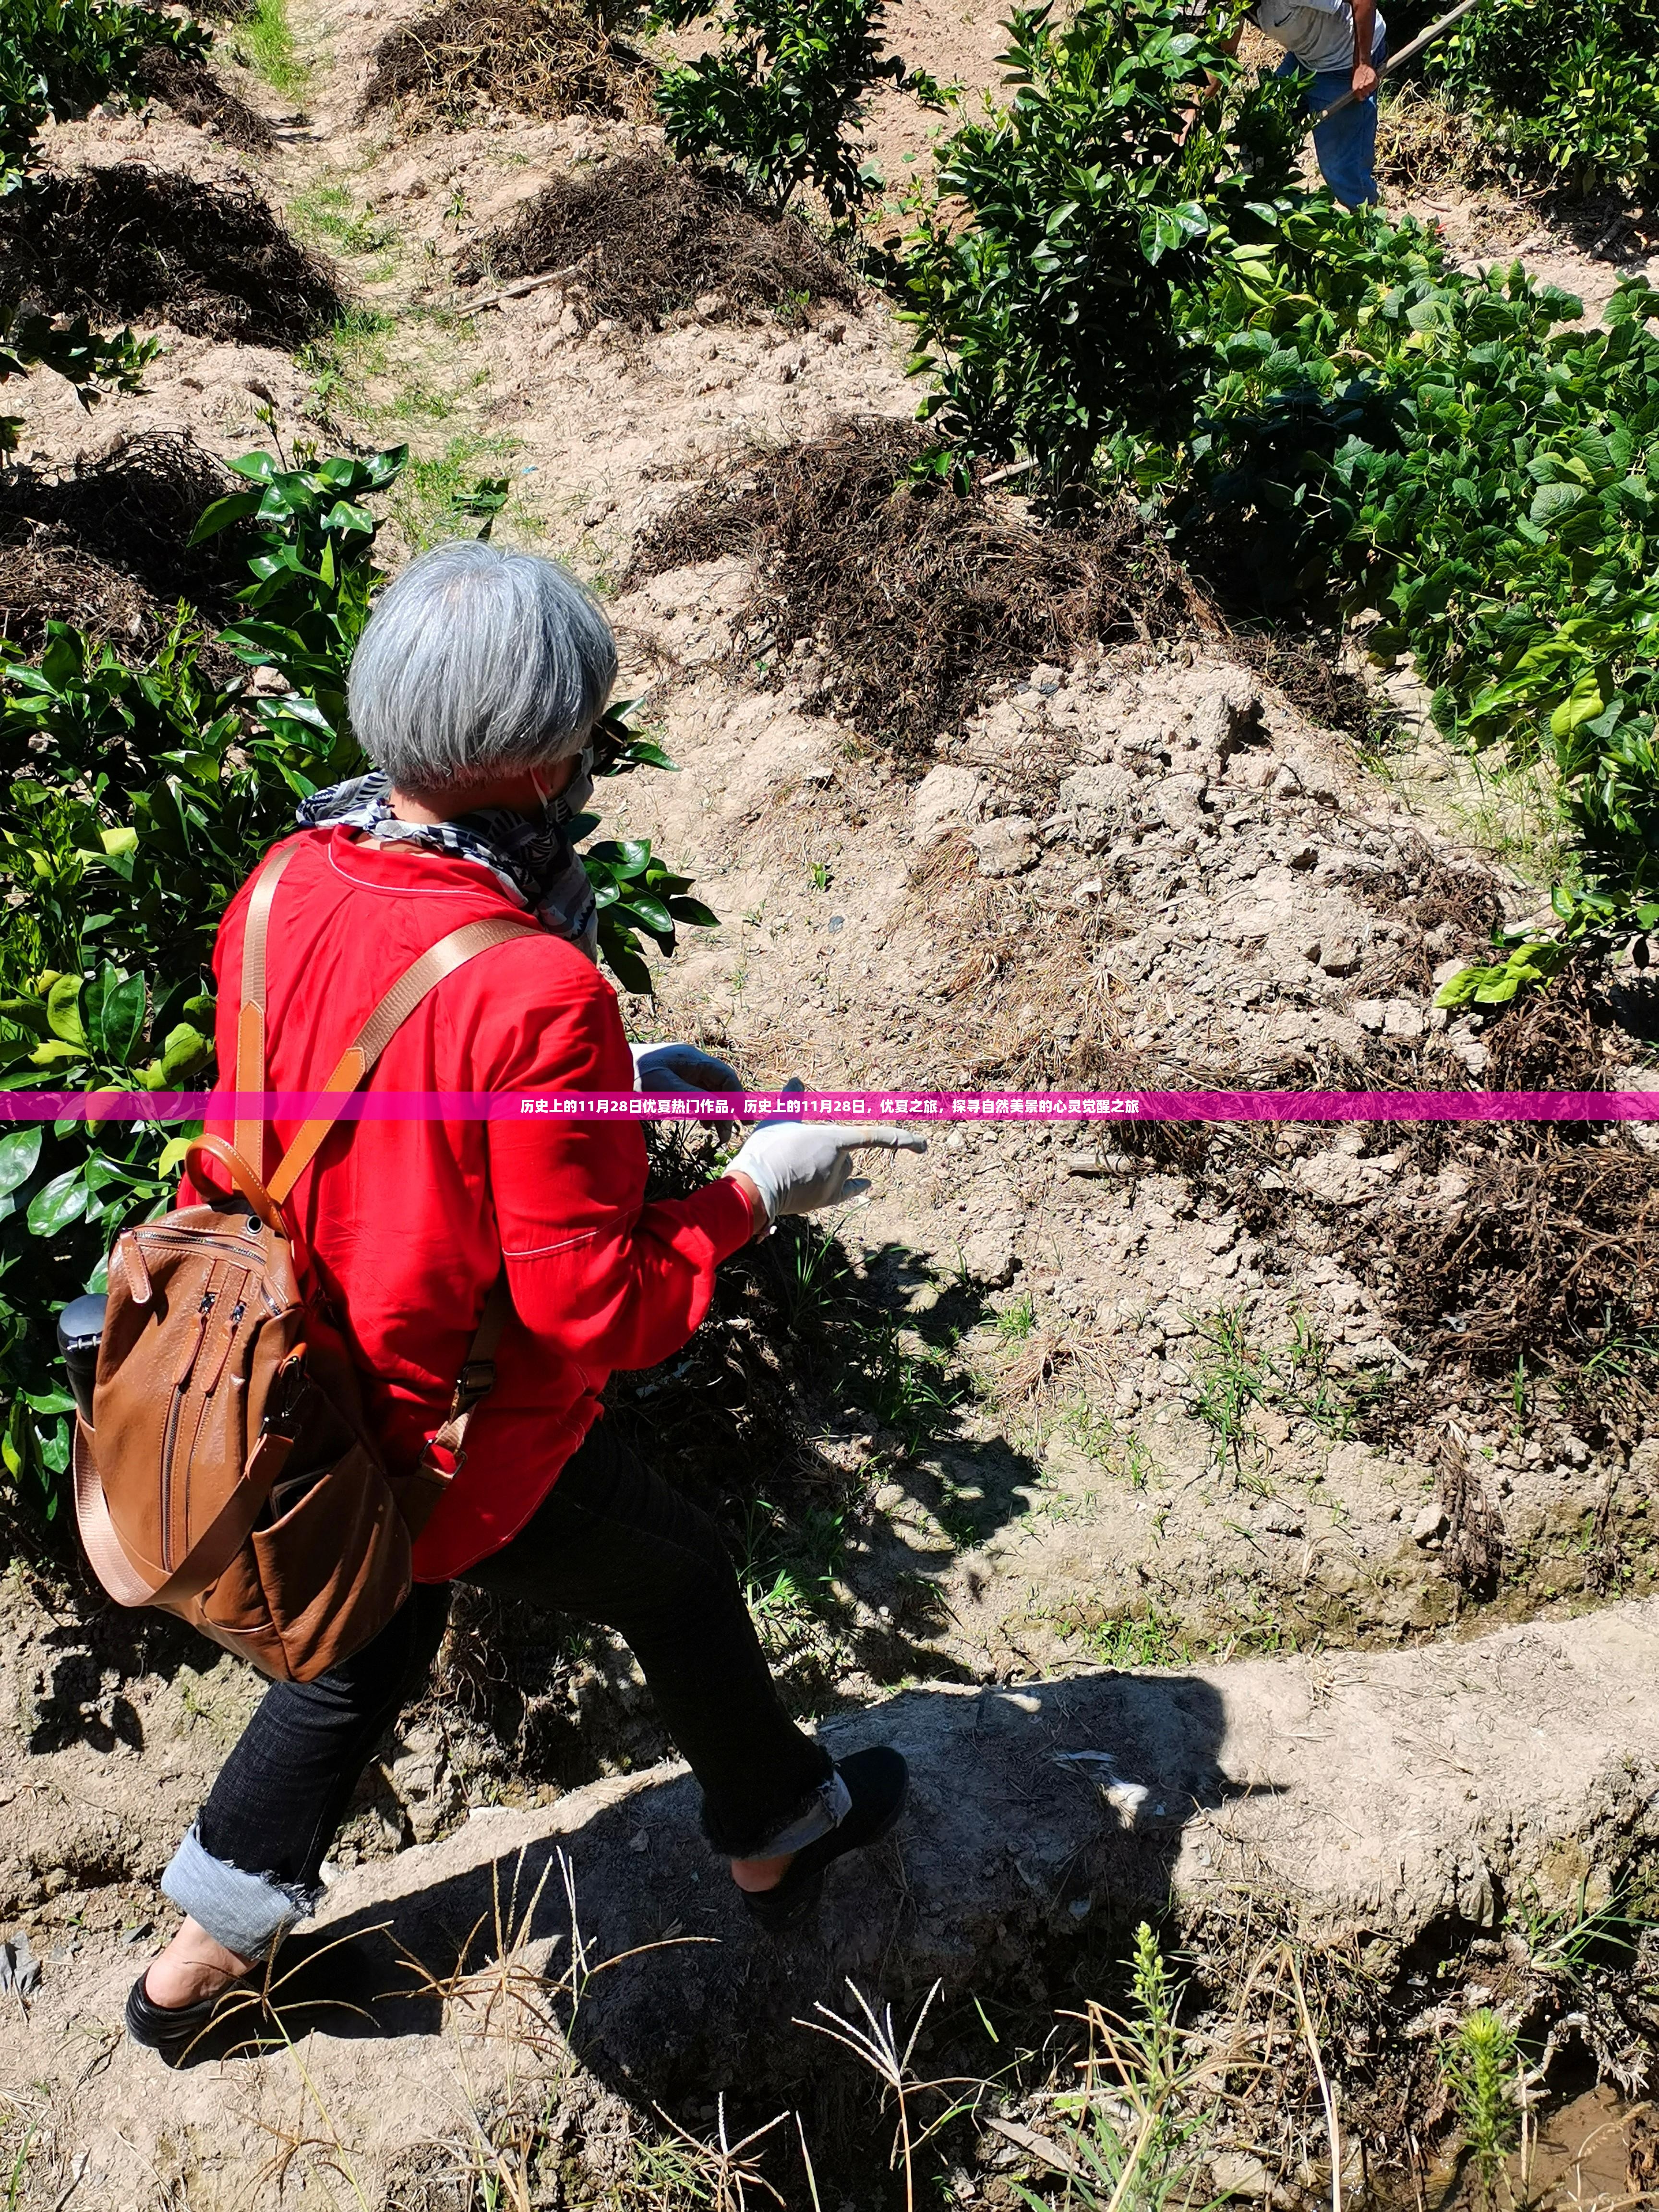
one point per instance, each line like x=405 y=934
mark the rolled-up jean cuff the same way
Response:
x=832 y=1801
x=246 y=1912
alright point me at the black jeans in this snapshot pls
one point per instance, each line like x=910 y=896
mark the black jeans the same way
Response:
x=611 y=1543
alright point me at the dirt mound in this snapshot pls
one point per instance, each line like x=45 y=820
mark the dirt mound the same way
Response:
x=543 y=58
x=196 y=96
x=900 y=603
x=129 y=243
x=651 y=240
x=107 y=548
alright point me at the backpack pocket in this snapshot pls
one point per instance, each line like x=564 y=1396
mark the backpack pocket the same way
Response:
x=335 y=1567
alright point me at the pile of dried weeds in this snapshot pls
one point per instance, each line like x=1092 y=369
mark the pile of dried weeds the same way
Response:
x=542 y=57
x=106 y=548
x=1306 y=666
x=1551 y=1258
x=904 y=603
x=648 y=240
x=129 y=243
x=196 y=97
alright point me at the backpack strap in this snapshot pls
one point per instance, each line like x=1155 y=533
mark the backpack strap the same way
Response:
x=474 y=1383
x=477 y=1376
x=249 y=1136
x=208 y=1558
x=359 y=1057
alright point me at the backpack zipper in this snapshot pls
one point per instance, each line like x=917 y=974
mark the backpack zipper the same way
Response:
x=193 y=1240
x=170 y=1433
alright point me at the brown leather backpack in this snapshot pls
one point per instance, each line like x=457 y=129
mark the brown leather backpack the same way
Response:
x=229 y=1476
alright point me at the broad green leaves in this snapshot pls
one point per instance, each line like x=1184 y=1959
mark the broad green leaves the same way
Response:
x=1534 y=963
x=636 y=894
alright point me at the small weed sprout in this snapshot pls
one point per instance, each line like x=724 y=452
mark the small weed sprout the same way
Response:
x=1137 y=2130
x=1234 y=1378
x=877 y=2045
x=1480 y=2066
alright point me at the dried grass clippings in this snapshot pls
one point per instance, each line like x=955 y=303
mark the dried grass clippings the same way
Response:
x=197 y=96
x=542 y=57
x=902 y=605
x=106 y=547
x=134 y=244
x=652 y=239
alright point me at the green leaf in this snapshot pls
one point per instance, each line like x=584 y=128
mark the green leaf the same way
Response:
x=184 y=1050
x=63 y=1010
x=1552 y=502
x=57 y=1203
x=234 y=507
x=19 y=1155
x=123 y=1012
x=1583 y=703
x=649 y=912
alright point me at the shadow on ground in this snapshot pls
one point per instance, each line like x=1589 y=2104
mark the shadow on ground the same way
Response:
x=1042 y=1819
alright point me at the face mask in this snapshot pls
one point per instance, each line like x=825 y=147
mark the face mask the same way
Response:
x=564 y=806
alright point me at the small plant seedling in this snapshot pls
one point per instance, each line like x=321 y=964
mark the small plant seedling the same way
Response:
x=1480 y=2068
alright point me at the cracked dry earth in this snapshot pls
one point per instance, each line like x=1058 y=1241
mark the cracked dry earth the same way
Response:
x=1146 y=868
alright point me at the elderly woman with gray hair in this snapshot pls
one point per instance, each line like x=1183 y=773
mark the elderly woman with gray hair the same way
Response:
x=476 y=689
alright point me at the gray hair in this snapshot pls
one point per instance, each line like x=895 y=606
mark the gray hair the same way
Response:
x=478 y=663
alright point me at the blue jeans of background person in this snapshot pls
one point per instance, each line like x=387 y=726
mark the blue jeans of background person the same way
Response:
x=1346 y=145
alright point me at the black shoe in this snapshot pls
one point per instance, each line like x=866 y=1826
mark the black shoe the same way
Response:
x=174 y=2031
x=877 y=1780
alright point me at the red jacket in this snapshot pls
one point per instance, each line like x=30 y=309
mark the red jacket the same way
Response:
x=408 y=1222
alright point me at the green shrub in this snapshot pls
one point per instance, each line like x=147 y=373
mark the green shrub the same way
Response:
x=778 y=98
x=58 y=59
x=1129 y=153
x=1448 y=449
x=1574 y=83
x=136 y=800
x=78 y=53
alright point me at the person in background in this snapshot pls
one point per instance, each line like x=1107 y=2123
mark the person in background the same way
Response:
x=1341 y=46
x=476 y=687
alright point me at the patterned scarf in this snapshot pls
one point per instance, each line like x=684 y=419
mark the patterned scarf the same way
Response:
x=534 y=860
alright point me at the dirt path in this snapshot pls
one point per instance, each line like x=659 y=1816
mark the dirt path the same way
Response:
x=1344 y=1799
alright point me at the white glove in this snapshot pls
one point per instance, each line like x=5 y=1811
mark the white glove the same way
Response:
x=798 y=1167
x=681 y=1067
